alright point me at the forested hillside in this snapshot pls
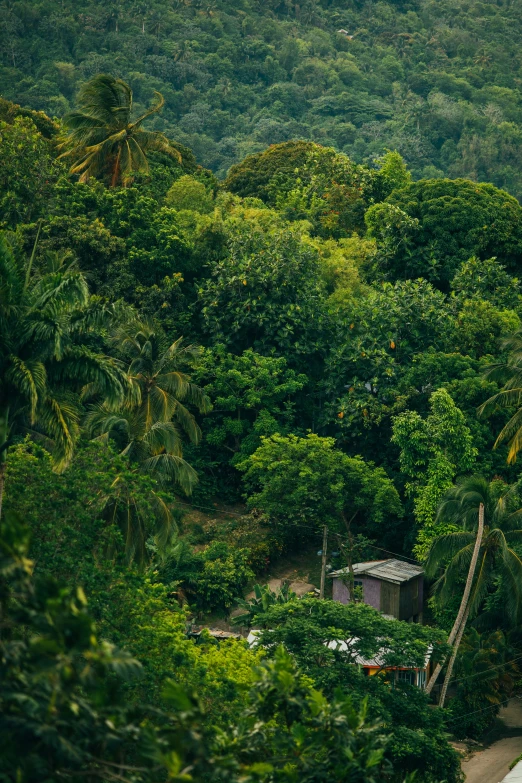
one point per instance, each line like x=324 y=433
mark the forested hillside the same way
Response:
x=437 y=80
x=260 y=289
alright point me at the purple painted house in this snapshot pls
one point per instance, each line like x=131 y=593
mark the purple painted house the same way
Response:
x=393 y=587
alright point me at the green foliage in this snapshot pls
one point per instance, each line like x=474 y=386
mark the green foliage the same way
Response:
x=308 y=182
x=189 y=193
x=213 y=579
x=60 y=714
x=313 y=631
x=100 y=508
x=48 y=324
x=480 y=328
x=485 y=675
x=341 y=286
x=429 y=227
x=262 y=600
x=223 y=577
x=76 y=543
x=307 y=735
x=452 y=548
x=251 y=396
x=267 y=293
x=148 y=427
x=392 y=175
x=254 y=175
x=50 y=655
x=508 y=373
x=28 y=171
x=307 y=627
x=488 y=281
x=308 y=482
x=376 y=338
x=239 y=78
x=433 y=451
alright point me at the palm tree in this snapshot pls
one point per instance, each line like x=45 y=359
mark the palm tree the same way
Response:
x=139 y=516
x=487 y=669
x=101 y=139
x=510 y=373
x=148 y=428
x=502 y=520
x=45 y=363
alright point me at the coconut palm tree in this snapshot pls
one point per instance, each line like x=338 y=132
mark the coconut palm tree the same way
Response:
x=101 y=138
x=508 y=372
x=46 y=315
x=142 y=517
x=494 y=552
x=149 y=427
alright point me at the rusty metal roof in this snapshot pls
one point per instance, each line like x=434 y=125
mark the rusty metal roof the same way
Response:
x=391 y=570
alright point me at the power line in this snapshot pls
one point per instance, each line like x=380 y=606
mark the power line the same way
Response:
x=490 y=668
x=475 y=712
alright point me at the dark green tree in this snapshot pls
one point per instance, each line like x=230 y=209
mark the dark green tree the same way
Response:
x=429 y=228
x=307 y=481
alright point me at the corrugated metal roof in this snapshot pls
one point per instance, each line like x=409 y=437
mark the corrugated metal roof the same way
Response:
x=391 y=570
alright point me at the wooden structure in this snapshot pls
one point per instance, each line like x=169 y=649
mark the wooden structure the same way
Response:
x=413 y=675
x=393 y=587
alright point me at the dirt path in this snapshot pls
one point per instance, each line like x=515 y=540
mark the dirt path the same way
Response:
x=492 y=764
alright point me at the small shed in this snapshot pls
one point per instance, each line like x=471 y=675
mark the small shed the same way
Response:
x=392 y=586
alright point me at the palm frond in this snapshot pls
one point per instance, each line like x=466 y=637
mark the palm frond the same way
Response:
x=156 y=107
x=29 y=378
x=171 y=469
x=58 y=420
x=444 y=548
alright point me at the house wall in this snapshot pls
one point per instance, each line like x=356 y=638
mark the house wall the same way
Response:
x=371 y=590
x=340 y=591
x=390 y=599
x=411 y=599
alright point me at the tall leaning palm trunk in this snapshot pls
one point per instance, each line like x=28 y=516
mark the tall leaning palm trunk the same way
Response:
x=453 y=657
x=462 y=616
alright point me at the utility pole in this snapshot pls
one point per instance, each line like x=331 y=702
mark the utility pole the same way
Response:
x=323 y=561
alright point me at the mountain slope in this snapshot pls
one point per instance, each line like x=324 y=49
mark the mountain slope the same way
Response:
x=439 y=80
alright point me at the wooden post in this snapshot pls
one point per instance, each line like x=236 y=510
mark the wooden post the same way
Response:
x=323 y=561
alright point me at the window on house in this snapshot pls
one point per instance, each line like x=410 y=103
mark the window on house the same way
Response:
x=406 y=675
x=358 y=591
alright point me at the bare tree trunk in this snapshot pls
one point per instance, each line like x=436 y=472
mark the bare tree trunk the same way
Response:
x=465 y=596
x=451 y=663
x=351 y=574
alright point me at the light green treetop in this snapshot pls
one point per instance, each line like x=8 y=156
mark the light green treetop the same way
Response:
x=433 y=452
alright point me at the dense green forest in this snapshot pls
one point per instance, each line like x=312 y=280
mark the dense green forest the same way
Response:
x=258 y=278
x=437 y=80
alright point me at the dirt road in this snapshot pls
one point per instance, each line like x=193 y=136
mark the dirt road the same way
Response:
x=492 y=765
